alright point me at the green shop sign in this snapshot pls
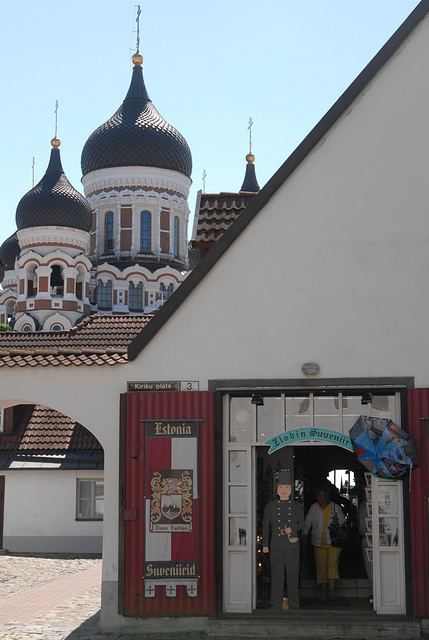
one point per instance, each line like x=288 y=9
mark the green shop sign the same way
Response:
x=309 y=434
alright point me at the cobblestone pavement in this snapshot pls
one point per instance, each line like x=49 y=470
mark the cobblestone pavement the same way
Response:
x=23 y=571
x=24 y=576
x=76 y=617
x=57 y=597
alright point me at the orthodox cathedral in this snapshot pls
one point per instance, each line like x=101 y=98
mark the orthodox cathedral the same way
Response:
x=123 y=247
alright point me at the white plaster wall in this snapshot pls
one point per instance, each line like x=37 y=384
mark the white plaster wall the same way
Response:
x=335 y=269
x=40 y=508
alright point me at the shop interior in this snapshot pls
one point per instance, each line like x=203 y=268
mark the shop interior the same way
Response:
x=312 y=467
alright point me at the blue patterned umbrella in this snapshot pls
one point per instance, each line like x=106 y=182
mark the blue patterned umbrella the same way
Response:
x=383 y=447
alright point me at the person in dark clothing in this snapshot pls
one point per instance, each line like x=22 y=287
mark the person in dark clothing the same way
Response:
x=285 y=518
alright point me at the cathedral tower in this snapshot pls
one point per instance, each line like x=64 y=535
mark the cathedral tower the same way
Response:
x=136 y=175
x=46 y=271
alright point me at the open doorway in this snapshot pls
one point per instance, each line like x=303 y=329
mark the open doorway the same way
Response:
x=312 y=467
x=298 y=429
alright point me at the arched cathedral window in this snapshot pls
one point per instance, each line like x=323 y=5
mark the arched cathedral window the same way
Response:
x=10 y=310
x=57 y=281
x=135 y=297
x=108 y=232
x=145 y=231
x=166 y=292
x=32 y=284
x=104 y=295
x=79 y=290
x=176 y=236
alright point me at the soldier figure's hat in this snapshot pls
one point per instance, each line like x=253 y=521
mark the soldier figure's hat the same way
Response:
x=284 y=477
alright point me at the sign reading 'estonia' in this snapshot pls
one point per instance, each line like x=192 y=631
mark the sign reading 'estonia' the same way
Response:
x=309 y=434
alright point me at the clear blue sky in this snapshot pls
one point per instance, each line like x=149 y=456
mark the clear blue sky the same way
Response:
x=208 y=66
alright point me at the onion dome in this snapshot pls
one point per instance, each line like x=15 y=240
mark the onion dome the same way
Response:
x=250 y=184
x=54 y=202
x=9 y=251
x=136 y=135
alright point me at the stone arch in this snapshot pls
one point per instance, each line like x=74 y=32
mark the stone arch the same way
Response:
x=57 y=322
x=25 y=322
x=30 y=286
x=67 y=493
x=81 y=282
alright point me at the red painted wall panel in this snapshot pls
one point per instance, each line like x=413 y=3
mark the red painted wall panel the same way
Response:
x=418 y=407
x=169 y=406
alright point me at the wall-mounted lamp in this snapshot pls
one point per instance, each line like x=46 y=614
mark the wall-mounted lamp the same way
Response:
x=257 y=399
x=310 y=369
x=366 y=398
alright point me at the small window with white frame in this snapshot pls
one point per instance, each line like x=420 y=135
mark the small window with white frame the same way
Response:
x=90 y=499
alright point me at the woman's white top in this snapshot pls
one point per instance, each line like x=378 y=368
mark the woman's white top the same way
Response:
x=314 y=521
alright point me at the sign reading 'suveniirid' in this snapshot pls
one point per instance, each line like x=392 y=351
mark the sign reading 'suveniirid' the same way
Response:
x=309 y=434
x=170 y=570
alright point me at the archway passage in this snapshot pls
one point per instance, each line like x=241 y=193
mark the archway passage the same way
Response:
x=53 y=470
x=312 y=466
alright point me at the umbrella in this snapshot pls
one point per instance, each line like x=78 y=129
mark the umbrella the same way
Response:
x=383 y=447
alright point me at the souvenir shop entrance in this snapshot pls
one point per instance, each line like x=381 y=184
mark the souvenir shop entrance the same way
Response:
x=372 y=563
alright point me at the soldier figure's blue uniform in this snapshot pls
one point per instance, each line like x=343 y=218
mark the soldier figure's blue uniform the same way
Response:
x=280 y=515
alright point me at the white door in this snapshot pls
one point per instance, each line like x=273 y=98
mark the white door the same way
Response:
x=388 y=546
x=239 y=535
x=239 y=529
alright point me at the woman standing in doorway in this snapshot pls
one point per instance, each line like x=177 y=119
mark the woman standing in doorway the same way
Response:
x=320 y=515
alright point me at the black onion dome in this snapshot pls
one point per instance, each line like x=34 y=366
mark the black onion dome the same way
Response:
x=54 y=202
x=136 y=136
x=9 y=251
x=250 y=183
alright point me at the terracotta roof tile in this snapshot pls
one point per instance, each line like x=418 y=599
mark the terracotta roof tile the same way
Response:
x=99 y=339
x=41 y=429
x=217 y=212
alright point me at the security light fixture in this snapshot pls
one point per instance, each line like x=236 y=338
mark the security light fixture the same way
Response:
x=366 y=398
x=257 y=399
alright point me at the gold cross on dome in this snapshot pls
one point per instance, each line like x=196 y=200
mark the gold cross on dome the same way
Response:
x=56 y=117
x=250 y=134
x=138 y=26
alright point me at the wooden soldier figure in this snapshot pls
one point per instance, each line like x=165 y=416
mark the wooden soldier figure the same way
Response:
x=285 y=517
